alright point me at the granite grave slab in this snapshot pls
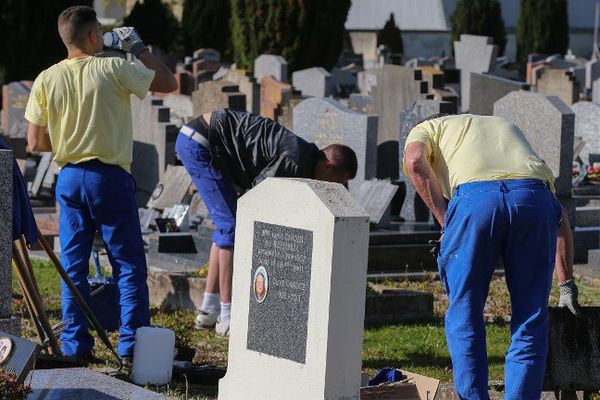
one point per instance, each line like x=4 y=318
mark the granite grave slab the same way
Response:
x=549 y=126
x=326 y=121
x=487 y=89
x=82 y=383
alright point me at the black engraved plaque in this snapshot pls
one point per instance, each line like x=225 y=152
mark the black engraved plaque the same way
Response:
x=280 y=291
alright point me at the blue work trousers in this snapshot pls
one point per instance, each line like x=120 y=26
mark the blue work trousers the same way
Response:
x=215 y=190
x=94 y=196
x=517 y=221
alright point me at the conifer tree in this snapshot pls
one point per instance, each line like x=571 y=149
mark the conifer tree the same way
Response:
x=479 y=17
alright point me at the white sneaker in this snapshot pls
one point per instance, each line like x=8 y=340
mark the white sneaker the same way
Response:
x=206 y=320
x=222 y=328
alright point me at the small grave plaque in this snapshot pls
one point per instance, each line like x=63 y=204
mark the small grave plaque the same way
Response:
x=280 y=278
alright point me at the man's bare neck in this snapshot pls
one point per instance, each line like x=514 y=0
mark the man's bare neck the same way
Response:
x=74 y=53
x=207 y=117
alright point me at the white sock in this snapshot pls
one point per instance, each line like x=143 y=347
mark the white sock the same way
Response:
x=225 y=312
x=210 y=303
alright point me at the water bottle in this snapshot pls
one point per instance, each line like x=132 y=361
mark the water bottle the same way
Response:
x=112 y=40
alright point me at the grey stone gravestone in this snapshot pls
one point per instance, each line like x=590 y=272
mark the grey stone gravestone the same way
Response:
x=82 y=383
x=375 y=196
x=174 y=188
x=326 y=121
x=271 y=65
x=314 y=82
x=587 y=126
x=248 y=86
x=396 y=88
x=412 y=209
x=473 y=54
x=17 y=354
x=560 y=83
x=154 y=139
x=14 y=101
x=298 y=293
x=8 y=323
x=487 y=89
x=549 y=126
x=217 y=95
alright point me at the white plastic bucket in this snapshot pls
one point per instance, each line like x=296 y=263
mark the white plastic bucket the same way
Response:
x=153 y=356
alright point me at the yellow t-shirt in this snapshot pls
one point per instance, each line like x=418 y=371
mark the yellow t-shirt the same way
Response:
x=85 y=103
x=470 y=148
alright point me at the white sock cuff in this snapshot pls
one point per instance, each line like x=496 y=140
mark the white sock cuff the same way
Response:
x=211 y=302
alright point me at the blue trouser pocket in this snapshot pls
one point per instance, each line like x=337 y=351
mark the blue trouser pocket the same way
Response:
x=215 y=190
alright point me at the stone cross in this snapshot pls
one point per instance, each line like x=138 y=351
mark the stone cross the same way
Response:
x=217 y=95
x=560 y=83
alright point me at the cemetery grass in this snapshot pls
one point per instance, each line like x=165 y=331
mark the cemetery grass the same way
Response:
x=417 y=347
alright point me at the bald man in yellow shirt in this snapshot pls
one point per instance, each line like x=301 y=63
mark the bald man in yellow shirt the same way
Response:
x=501 y=205
x=83 y=102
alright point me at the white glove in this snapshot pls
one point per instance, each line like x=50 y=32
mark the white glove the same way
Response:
x=130 y=40
x=568 y=296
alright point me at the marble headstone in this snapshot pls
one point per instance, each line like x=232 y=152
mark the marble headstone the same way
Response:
x=487 y=89
x=326 y=121
x=549 y=126
x=473 y=54
x=271 y=65
x=409 y=118
x=313 y=82
x=587 y=127
x=298 y=293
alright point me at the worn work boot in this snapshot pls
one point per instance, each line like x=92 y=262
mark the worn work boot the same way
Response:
x=222 y=328
x=206 y=320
